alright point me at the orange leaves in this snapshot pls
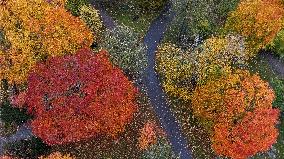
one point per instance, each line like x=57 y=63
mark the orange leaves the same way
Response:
x=257 y=20
x=238 y=108
x=76 y=97
x=36 y=30
x=256 y=132
x=147 y=135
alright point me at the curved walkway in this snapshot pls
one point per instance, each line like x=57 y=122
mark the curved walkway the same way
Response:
x=23 y=132
x=152 y=82
x=154 y=89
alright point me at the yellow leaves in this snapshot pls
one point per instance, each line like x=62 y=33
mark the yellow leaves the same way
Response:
x=92 y=19
x=176 y=70
x=36 y=29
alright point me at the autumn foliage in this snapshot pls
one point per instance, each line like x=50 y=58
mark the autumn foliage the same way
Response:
x=35 y=30
x=237 y=108
x=256 y=132
x=257 y=20
x=79 y=96
x=57 y=155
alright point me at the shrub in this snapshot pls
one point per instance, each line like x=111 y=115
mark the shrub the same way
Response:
x=126 y=49
x=278 y=44
x=160 y=150
x=74 y=6
x=278 y=86
x=92 y=18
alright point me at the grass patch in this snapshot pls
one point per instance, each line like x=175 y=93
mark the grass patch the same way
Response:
x=130 y=16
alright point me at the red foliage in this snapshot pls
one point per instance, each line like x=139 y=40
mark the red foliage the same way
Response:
x=79 y=96
x=256 y=132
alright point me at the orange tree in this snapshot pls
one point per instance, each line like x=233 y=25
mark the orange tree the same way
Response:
x=257 y=20
x=35 y=30
x=230 y=104
x=256 y=132
x=79 y=96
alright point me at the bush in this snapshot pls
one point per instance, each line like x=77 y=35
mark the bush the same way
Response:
x=31 y=149
x=74 y=6
x=160 y=150
x=278 y=44
x=278 y=86
x=126 y=49
x=92 y=18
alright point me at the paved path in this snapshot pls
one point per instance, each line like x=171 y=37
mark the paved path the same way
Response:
x=23 y=132
x=154 y=89
x=152 y=82
x=275 y=63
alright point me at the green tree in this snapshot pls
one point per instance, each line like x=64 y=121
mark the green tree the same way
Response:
x=126 y=49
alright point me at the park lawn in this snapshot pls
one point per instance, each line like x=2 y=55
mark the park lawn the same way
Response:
x=132 y=17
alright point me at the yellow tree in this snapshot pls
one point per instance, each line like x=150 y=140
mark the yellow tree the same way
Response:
x=180 y=69
x=176 y=70
x=36 y=29
x=219 y=53
x=257 y=20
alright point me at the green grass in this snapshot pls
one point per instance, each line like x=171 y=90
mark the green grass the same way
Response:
x=132 y=17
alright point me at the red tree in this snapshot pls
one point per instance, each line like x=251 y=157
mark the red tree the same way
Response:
x=78 y=96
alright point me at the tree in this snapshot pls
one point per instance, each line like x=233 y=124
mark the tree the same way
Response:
x=256 y=132
x=31 y=148
x=74 y=6
x=277 y=44
x=79 y=96
x=257 y=20
x=219 y=53
x=176 y=70
x=236 y=108
x=35 y=34
x=126 y=50
x=181 y=70
x=197 y=20
x=226 y=97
